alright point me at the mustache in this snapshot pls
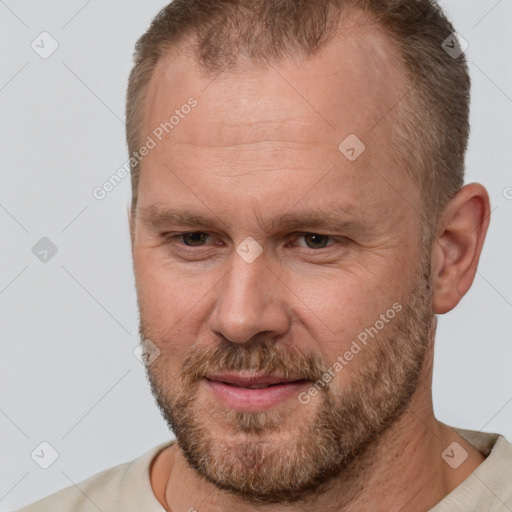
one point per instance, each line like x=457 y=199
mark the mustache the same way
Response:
x=264 y=357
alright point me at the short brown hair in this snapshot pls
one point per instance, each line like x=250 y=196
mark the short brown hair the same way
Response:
x=430 y=123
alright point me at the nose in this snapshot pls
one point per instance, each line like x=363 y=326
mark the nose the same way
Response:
x=250 y=302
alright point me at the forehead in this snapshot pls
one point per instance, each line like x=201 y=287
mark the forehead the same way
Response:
x=349 y=86
x=286 y=117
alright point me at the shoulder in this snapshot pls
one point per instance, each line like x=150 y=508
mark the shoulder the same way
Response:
x=82 y=497
x=118 y=488
x=489 y=487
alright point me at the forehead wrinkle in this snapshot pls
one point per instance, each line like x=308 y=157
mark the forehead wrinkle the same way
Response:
x=264 y=144
x=242 y=159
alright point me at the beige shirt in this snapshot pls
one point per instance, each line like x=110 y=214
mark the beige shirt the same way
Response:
x=127 y=487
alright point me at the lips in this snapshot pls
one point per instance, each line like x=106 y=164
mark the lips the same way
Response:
x=252 y=381
x=248 y=392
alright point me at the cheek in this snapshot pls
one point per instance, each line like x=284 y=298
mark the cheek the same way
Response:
x=173 y=307
x=338 y=308
x=162 y=291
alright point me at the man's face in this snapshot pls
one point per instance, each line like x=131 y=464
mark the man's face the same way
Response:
x=347 y=286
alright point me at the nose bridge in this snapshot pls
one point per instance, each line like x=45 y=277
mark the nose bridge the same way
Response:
x=249 y=300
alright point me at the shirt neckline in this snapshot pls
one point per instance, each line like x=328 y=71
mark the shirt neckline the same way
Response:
x=487 y=443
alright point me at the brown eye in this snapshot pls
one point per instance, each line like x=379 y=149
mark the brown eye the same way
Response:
x=195 y=238
x=315 y=241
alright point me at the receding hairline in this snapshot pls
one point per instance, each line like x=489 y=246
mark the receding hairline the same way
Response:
x=386 y=55
x=351 y=19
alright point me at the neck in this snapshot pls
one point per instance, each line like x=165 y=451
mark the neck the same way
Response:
x=403 y=470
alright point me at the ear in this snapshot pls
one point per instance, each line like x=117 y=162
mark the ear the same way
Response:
x=456 y=251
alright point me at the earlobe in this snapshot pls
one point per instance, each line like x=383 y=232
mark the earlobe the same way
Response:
x=457 y=249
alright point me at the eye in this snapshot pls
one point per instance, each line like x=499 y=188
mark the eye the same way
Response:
x=190 y=241
x=314 y=240
x=195 y=238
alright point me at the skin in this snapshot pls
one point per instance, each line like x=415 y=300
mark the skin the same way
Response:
x=255 y=148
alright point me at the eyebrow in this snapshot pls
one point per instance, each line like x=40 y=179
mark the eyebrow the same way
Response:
x=328 y=217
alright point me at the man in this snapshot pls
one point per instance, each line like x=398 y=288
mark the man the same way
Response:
x=298 y=220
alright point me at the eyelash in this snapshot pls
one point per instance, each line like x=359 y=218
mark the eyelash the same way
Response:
x=171 y=238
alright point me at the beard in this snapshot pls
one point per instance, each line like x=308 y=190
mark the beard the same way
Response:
x=268 y=457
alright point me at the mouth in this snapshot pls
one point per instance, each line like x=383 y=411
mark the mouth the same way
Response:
x=253 y=392
x=253 y=381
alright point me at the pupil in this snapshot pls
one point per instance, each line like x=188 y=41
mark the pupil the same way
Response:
x=196 y=237
x=316 y=238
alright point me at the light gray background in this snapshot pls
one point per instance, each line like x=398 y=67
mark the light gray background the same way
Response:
x=69 y=326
